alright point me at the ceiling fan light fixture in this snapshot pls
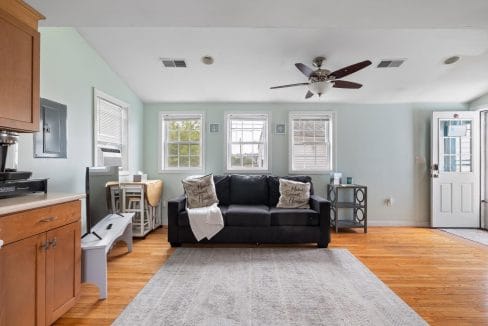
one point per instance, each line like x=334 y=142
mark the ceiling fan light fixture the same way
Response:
x=319 y=87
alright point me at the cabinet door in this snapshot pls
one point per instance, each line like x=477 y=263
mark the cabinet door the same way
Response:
x=22 y=282
x=19 y=77
x=63 y=270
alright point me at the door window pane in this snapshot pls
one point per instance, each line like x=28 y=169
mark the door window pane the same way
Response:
x=455 y=150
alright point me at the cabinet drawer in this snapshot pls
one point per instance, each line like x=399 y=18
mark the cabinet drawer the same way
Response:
x=24 y=224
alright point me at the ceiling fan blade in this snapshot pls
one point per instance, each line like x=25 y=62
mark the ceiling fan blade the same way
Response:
x=307 y=71
x=346 y=84
x=309 y=94
x=350 y=69
x=289 y=85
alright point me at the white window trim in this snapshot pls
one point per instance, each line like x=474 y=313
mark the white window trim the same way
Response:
x=266 y=170
x=161 y=149
x=333 y=161
x=99 y=94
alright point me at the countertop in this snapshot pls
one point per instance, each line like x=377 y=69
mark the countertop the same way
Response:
x=32 y=201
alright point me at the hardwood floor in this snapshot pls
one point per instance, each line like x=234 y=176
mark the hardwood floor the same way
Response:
x=443 y=277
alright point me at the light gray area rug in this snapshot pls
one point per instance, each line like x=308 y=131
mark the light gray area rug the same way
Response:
x=266 y=286
x=476 y=235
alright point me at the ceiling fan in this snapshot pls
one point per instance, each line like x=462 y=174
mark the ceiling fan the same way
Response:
x=320 y=80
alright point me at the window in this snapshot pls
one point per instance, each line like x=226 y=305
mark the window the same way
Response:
x=182 y=141
x=247 y=141
x=311 y=141
x=110 y=131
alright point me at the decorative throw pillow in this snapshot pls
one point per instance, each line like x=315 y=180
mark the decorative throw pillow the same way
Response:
x=200 y=191
x=294 y=194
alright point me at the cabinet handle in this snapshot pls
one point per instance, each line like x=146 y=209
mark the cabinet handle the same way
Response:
x=48 y=219
x=52 y=243
x=1 y=244
x=44 y=246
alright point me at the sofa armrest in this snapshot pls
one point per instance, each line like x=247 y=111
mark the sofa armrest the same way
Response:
x=178 y=203
x=175 y=206
x=322 y=206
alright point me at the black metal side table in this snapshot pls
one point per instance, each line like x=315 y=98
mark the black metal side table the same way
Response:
x=358 y=204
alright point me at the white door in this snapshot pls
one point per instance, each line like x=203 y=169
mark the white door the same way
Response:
x=455 y=170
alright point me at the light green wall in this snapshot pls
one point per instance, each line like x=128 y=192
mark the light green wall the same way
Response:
x=386 y=147
x=479 y=103
x=70 y=68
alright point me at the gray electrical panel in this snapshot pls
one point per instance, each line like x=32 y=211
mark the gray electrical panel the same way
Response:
x=50 y=141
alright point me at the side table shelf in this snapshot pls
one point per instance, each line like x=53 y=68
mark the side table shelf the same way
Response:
x=358 y=204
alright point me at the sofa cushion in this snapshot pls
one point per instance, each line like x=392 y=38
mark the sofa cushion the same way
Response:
x=248 y=189
x=184 y=221
x=248 y=215
x=274 y=186
x=222 y=187
x=294 y=217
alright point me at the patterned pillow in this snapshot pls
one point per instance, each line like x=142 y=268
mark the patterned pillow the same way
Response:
x=294 y=194
x=200 y=191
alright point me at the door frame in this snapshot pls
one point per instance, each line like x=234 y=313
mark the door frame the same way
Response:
x=483 y=112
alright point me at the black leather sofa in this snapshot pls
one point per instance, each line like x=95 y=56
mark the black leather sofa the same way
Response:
x=248 y=205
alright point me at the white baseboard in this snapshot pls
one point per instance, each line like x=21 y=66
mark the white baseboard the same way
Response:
x=412 y=223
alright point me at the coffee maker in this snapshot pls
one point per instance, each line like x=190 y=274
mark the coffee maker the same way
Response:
x=13 y=182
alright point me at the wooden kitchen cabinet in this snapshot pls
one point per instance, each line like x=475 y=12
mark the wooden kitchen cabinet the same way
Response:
x=23 y=282
x=19 y=66
x=40 y=274
x=63 y=270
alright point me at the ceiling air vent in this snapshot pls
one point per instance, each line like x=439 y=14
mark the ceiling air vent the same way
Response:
x=391 y=63
x=173 y=63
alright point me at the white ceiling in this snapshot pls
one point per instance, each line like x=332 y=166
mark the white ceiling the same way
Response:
x=256 y=43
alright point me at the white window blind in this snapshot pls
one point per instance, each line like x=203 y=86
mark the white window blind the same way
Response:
x=247 y=141
x=182 y=141
x=311 y=142
x=110 y=131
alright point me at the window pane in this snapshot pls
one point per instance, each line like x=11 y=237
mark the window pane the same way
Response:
x=184 y=150
x=455 y=150
x=184 y=161
x=194 y=161
x=247 y=149
x=236 y=135
x=247 y=136
x=172 y=135
x=173 y=149
x=235 y=160
x=184 y=135
x=247 y=161
x=173 y=161
x=195 y=149
x=235 y=149
x=195 y=135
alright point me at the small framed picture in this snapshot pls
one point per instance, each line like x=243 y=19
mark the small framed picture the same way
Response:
x=280 y=129
x=214 y=127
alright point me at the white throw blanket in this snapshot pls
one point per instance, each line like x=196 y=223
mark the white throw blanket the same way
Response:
x=205 y=222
